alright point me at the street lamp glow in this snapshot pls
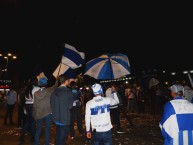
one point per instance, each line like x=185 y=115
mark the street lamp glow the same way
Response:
x=14 y=57
x=1 y=54
x=185 y=72
x=164 y=71
x=173 y=73
x=9 y=54
x=191 y=71
x=5 y=57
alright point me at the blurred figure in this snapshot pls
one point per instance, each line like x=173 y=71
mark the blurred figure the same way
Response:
x=152 y=94
x=188 y=92
x=61 y=103
x=159 y=102
x=42 y=110
x=32 y=87
x=21 y=104
x=176 y=123
x=11 y=100
x=129 y=93
x=140 y=98
x=76 y=111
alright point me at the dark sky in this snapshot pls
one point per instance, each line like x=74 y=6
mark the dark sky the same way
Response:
x=152 y=36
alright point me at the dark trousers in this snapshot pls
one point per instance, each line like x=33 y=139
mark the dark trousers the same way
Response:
x=9 y=112
x=102 y=138
x=115 y=113
x=62 y=134
x=21 y=117
x=30 y=122
x=76 y=113
x=141 y=106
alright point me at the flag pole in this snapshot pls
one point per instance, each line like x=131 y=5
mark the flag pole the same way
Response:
x=59 y=69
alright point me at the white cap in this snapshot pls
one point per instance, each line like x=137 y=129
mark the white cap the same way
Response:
x=97 y=89
x=177 y=88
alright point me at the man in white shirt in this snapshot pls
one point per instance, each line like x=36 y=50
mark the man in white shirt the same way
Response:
x=98 y=115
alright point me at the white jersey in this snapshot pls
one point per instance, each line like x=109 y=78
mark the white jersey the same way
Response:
x=30 y=99
x=98 y=113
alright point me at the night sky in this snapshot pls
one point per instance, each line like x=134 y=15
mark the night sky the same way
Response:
x=152 y=37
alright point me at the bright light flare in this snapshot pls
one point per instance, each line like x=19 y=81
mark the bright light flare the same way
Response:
x=185 y=72
x=173 y=73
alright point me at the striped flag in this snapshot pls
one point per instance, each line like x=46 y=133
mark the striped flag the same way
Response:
x=71 y=58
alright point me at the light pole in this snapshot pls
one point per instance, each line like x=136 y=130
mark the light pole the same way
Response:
x=7 y=57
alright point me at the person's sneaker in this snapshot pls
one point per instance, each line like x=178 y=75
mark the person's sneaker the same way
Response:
x=120 y=131
x=19 y=127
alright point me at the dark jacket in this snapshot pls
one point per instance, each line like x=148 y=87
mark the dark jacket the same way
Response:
x=61 y=103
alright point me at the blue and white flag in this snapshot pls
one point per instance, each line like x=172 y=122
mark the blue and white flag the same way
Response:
x=71 y=58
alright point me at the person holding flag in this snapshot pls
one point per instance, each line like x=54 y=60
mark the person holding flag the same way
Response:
x=42 y=109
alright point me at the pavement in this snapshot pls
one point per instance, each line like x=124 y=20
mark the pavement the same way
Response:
x=144 y=131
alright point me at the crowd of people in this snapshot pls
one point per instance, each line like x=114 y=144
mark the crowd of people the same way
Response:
x=64 y=103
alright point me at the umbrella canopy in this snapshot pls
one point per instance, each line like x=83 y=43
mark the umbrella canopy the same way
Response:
x=153 y=82
x=108 y=66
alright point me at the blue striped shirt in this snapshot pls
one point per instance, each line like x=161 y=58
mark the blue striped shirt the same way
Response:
x=177 y=122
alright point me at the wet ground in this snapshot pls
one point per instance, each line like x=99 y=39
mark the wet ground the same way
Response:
x=145 y=131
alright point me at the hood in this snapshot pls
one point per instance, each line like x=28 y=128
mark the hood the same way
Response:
x=59 y=91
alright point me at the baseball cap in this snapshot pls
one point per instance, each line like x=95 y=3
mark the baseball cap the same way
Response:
x=177 y=88
x=97 y=89
x=42 y=81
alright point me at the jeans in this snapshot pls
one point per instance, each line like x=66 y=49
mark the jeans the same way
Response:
x=62 y=134
x=102 y=138
x=76 y=114
x=21 y=117
x=39 y=122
